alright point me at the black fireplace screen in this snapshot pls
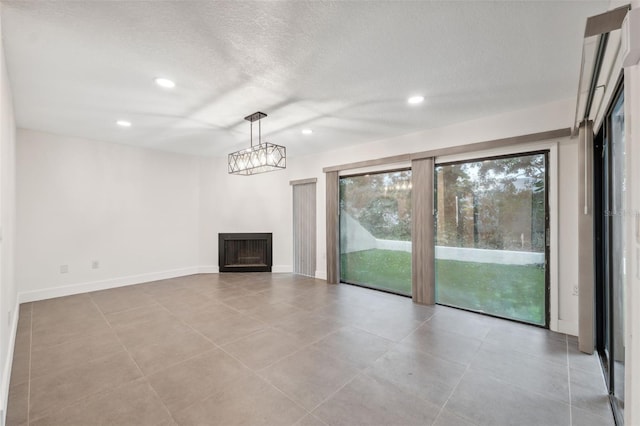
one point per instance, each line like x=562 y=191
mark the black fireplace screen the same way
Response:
x=245 y=252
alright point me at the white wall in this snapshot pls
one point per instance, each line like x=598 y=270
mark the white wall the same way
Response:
x=133 y=210
x=8 y=293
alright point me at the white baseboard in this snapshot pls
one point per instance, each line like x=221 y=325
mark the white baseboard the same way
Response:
x=6 y=368
x=68 y=290
x=281 y=269
x=321 y=275
x=568 y=327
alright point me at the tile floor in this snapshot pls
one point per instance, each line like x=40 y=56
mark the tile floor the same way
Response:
x=232 y=349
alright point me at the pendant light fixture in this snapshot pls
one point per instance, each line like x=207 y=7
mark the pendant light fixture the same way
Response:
x=260 y=158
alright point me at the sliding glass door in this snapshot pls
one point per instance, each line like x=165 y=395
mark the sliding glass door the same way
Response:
x=610 y=184
x=375 y=230
x=491 y=236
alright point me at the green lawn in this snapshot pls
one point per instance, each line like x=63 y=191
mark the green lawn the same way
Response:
x=511 y=291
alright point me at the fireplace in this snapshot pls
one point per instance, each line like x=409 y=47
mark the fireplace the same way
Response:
x=244 y=252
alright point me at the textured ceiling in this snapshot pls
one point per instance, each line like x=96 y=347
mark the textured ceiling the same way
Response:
x=343 y=69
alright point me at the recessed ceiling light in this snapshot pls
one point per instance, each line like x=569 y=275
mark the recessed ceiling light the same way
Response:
x=165 y=82
x=307 y=131
x=414 y=100
x=123 y=123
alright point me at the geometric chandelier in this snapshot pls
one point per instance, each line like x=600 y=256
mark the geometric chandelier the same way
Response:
x=260 y=158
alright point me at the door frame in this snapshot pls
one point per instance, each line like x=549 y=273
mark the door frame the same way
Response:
x=603 y=239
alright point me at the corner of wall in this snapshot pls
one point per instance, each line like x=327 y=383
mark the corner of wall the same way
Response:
x=8 y=364
x=282 y=269
x=321 y=275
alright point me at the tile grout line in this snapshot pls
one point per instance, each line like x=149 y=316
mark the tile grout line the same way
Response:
x=460 y=381
x=235 y=358
x=303 y=347
x=453 y=391
x=261 y=377
x=566 y=339
x=363 y=371
x=300 y=349
x=132 y=359
x=29 y=374
x=359 y=373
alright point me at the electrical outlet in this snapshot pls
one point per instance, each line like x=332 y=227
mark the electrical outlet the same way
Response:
x=64 y=269
x=95 y=264
x=575 y=290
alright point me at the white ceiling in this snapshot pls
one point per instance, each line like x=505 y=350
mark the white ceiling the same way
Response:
x=343 y=69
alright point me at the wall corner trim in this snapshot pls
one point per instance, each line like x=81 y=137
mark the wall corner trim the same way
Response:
x=6 y=368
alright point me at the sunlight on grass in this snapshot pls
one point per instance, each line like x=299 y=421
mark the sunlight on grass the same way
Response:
x=511 y=291
x=384 y=269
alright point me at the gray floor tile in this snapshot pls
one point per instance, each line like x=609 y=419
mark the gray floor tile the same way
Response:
x=356 y=346
x=18 y=404
x=443 y=344
x=62 y=310
x=449 y=418
x=274 y=312
x=172 y=345
x=588 y=392
x=459 y=322
x=581 y=360
x=21 y=357
x=268 y=348
x=310 y=420
x=309 y=376
x=418 y=373
x=529 y=340
x=581 y=417
x=523 y=370
x=193 y=380
x=249 y=401
x=263 y=348
x=120 y=299
x=184 y=300
x=73 y=353
x=308 y=327
x=137 y=317
x=62 y=388
x=485 y=400
x=223 y=324
x=369 y=401
x=134 y=403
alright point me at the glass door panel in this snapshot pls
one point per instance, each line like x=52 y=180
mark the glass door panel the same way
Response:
x=611 y=254
x=491 y=227
x=375 y=231
x=617 y=253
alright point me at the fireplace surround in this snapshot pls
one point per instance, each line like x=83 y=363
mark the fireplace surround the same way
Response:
x=244 y=252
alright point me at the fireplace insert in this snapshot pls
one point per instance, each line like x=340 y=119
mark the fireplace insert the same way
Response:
x=244 y=252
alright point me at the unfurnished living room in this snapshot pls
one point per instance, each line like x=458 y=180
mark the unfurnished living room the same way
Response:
x=320 y=213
